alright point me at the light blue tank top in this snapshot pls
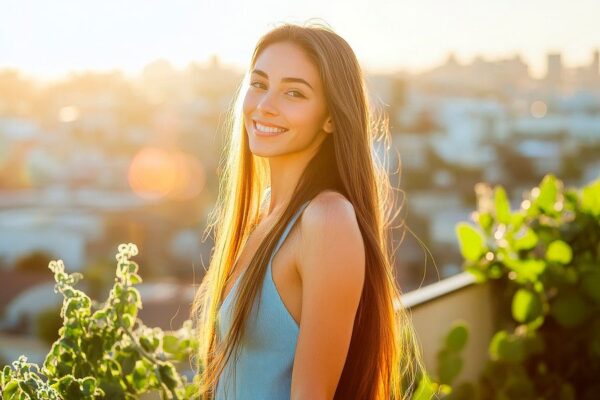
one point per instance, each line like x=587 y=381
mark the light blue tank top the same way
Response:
x=268 y=346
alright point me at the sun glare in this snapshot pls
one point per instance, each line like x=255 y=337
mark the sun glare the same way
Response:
x=156 y=173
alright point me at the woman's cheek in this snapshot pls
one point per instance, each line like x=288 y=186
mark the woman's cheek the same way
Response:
x=301 y=115
x=248 y=104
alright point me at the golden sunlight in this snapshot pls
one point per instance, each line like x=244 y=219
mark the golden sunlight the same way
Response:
x=68 y=113
x=157 y=173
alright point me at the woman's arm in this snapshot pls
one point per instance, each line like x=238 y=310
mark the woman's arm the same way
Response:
x=331 y=263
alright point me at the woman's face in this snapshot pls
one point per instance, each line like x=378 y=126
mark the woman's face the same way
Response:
x=285 y=92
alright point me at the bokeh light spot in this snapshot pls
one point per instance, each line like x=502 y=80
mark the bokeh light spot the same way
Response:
x=538 y=109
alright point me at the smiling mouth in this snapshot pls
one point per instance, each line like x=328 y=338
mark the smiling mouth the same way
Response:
x=264 y=130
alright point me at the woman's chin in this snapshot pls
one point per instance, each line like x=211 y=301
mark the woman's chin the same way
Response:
x=262 y=151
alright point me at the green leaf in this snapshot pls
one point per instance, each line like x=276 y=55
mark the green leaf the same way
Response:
x=168 y=375
x=114 y=368
x=478 y=274
x=485 y=220
x=170 y=344
x=134 y=297
x=495 y=270
x=71 y=306
x=135 y=279
x=88 y=385
x=131 y=309
x=590 y=198
x=450 y=366
x=526 y=306
x=502 y=205
x=517 y=219
x=140 y=373
x=525 y=240
x=73 y=391
x=94 y=348
x=63 y=383
x=472 y=243
x=132 y=267
x=6 y=374
x=100 y=314
x=548 y=193
x=560 y=252
x=10 y=389
x=68 y=343
x=127 y=360
x=425 y=390
x=140 y=369
x=457 y=337
x=507 y=348
x=149 y=345
x=527 y=270
x=127 y=321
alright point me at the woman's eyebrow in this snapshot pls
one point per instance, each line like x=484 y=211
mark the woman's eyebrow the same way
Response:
x=287 y=79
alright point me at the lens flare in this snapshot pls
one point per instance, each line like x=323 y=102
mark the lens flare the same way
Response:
x=68 y=114
x=156 y=173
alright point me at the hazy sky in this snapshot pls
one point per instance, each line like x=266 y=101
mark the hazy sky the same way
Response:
x=49 y=38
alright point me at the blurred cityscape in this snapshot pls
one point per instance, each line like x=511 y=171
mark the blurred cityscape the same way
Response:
x=99 y=159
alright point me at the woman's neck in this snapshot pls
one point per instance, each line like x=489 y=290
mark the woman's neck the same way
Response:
x=285 y=174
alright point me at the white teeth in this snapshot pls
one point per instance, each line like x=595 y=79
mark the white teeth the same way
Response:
x=268 y=129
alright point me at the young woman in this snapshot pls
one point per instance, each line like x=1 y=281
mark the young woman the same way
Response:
x=300 y=300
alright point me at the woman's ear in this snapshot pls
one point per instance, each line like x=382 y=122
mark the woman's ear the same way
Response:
x=328 y=126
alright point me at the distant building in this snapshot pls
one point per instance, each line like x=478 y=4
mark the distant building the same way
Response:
x=503 y=75
x=554 y=69
x=565 y=80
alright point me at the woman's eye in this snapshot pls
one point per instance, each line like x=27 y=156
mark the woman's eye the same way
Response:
x=295 y=91
x=260 y=85
x=255 y=83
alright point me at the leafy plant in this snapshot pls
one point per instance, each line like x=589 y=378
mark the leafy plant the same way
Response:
x=450 y=362
x=449 y=365
x=449 y=359
x=543 y=261
x=108 y=353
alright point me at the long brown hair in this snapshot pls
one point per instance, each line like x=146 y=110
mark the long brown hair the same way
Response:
x=384 y=359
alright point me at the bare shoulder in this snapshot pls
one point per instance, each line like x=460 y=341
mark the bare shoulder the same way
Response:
x=329 y=205
x=329 y=229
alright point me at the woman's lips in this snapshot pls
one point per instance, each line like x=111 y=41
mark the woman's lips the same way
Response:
x=258 y=132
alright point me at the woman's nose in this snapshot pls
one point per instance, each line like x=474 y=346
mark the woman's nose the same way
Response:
x=266 y=104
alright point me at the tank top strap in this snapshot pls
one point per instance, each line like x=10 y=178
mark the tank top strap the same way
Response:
x=288 y=228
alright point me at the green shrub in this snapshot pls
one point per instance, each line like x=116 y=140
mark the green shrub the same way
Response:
x=543 y=261
x=107 y=353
